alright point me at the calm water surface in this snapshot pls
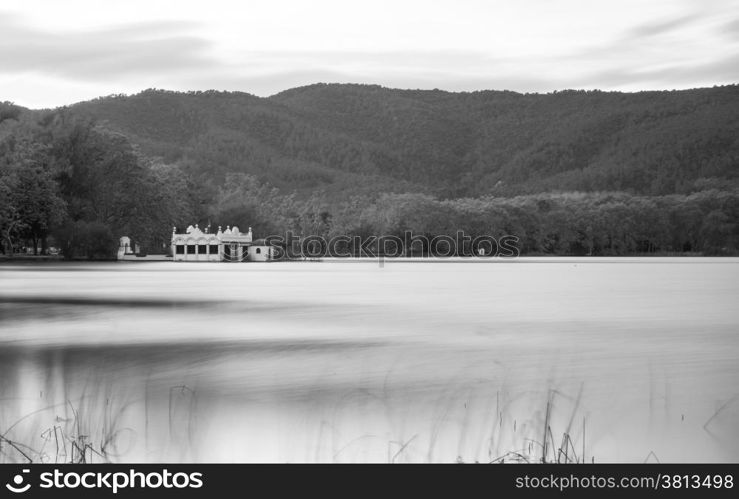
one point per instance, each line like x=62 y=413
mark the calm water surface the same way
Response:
x=335 y=361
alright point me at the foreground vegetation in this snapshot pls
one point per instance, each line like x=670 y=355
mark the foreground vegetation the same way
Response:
x=93 y=429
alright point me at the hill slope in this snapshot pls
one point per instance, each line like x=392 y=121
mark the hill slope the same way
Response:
x=567 y=173
x=340 y=138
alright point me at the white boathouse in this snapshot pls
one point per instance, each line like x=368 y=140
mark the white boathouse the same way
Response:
x=230 y=245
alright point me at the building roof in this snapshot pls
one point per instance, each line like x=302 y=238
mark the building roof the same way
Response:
x=230 y=235
x=261 y=242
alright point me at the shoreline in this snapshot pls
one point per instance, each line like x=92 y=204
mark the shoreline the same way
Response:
x=687 y=258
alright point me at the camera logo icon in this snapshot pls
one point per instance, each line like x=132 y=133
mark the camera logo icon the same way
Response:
x=17 y=485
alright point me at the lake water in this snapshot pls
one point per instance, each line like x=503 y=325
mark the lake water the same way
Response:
x=407 y=361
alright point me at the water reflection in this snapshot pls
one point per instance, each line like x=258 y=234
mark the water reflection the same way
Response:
x=339 y=362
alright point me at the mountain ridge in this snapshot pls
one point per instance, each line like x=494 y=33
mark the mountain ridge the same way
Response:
x=450 y=144
x=568 y=173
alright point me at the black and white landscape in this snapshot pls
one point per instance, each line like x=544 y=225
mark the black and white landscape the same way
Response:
x=495 y=233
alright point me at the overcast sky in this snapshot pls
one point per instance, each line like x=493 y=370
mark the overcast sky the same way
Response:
x=59 y=52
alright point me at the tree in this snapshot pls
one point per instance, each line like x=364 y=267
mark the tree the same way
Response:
x=38 y=203
x=11 y=223
x=92 y=240
x=717 y=232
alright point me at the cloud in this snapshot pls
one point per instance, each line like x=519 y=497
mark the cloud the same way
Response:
x=722 y=70
x=732 y=29
x=692 y=51
x=637 y=48
x=658 y=28
x=102 y=54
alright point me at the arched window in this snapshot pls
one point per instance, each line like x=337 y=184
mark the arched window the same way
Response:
x=259 y=250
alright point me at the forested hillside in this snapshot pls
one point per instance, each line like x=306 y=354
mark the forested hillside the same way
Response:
x=571 y=172
x=450 y=144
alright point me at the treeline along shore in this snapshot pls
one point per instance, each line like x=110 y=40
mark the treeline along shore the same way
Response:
x=567 y=173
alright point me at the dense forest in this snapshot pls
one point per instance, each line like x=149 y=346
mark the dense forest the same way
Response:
x=568 y=173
